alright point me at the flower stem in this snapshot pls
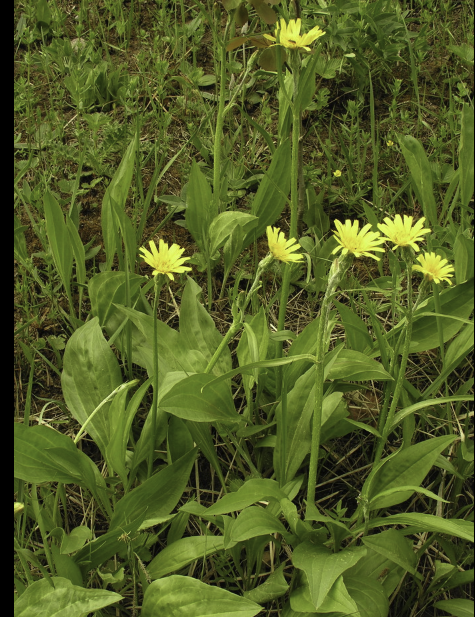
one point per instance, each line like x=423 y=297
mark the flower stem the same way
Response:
x=386 y=429
x=294 y=189
x=158 y=284
x=337 y=270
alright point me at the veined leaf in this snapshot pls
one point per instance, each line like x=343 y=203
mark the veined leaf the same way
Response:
x=183 y=596
x=60 y=598
x=183 y=552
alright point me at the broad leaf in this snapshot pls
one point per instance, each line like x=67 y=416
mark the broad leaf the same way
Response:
x=252 y=491
x=323 y=567
x=393 y=545
x=91 y=373
x=272 y=193
x=183 y=552
x=253 y=522
x=421 y=173
x=199 y=207
x=275 y=586
x=369 y=596
x=159 y=494
x=117 y=192
x=188 y=400
x=458 y=607
x=62 y=599
x=183 y=596
x=408 y=467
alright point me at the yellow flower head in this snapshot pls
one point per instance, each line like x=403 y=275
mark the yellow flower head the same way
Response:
x=288 y=35
x=165 y=260
x=434 y=268
x=337 y=173
x=404 y=233
x=281 y=248
x=359 y=243
x=390 y=143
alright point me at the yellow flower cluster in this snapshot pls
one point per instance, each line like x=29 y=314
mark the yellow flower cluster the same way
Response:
x=165 y=260
x=288 y=35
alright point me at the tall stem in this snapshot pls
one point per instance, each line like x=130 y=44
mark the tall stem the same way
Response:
x=294 y=187
x=154 y=411
x=219 y=128
x=405 y=354
x=338 y=268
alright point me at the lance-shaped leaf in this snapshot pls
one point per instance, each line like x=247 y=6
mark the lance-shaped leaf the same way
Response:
x=188 y=400
x=252 y=491
x=159 y=494
x=323 y=567
x=117 y=192
x=91 y=373
x=183 y=552
x=421 y=174
x=183 y=596
x=253 y=522
x=199 y=207
x=59 y=240
x=57 y=596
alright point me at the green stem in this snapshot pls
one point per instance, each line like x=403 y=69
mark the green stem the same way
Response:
x=338 y=268
x=219 y=128
x=386 y=429
x=158 y=283
x=294 y=189
x=440 y=331
x=234 y=329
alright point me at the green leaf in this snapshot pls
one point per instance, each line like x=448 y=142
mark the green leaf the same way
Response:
x=179 y=439
x=67 y=566
x=272 y=193
x=58 y=238
x=252 y=491
x=44 y=455
x=224 y=224
x=259 y=332
x=62 y=599
x=91 y=372
x=199 y=207
x=43 y=13
x=254 y=521
x=404 y=413
x=457 y=607
x=78 y=251
x=369 y=596
x=307 y=86
x=425 y=522
x=127 y=231
x=466 y=155
x=353 y=365
x=323 y=567
x=105 y=546
x=183 y=552
x=408 y=467
x=421 y=173
x=463 y=258
x=121 y=416
x=117 y=192
x=357 y=336
x=159 y=494
x=275 y=586
x=107 y=289
x=182 y=596
x=198 y=330
x=456 y=301
x=188 y=399
x=75 y=540
x=393 y=545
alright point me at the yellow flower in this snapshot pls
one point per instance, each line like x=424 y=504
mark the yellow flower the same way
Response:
x=288 y=35
x=337 y=173
x=403 y=233
x=166 y=260
x=357 y=243
x=434 y=268
x=390 y=143
x=281 y=248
